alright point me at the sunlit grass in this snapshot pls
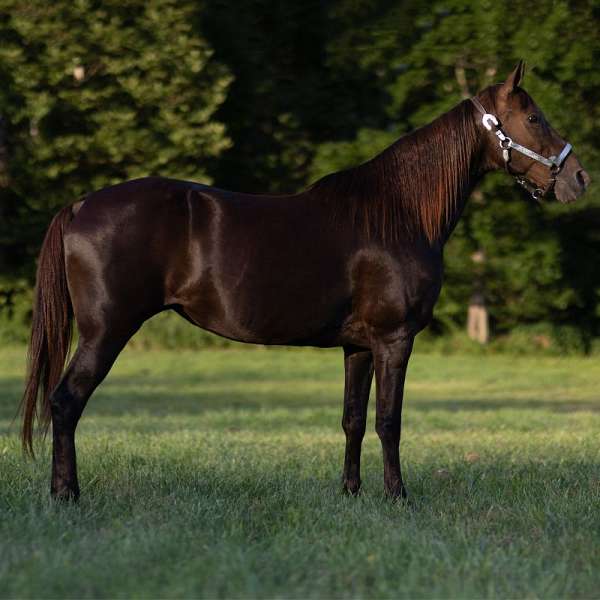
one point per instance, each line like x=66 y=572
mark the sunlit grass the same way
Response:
x=217 y=473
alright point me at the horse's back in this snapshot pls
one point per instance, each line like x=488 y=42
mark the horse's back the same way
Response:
x=237 y=264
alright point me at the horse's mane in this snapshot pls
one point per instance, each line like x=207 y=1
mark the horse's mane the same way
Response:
x=414 y=187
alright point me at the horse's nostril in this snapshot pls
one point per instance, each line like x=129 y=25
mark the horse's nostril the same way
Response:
x=583 y=179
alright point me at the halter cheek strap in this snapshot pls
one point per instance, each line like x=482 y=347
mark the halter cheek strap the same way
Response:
x=554 y=163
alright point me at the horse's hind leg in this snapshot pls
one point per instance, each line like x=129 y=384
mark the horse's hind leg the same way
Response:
x=359 y=374
x=90 y=364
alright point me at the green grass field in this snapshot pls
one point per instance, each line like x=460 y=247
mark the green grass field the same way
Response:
x=217 y=474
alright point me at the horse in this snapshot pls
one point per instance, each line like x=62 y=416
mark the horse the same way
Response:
x=354 y=261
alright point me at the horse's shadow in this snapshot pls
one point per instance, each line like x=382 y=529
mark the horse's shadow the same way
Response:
x=123 y=395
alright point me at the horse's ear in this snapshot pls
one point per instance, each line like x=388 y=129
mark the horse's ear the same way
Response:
x=513 y=80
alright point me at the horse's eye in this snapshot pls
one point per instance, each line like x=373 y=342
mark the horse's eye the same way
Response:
x=533 y=118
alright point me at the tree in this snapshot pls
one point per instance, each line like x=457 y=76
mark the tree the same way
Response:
x=97 y=92
x=93 y=93
x=290 y=91
x=456 y=48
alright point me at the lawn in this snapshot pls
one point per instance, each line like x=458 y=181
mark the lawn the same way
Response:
x=217 y=474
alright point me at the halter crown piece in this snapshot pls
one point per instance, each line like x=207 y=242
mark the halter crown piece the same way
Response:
x=554 y=163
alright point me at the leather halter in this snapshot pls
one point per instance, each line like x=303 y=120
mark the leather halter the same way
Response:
x=554 y=163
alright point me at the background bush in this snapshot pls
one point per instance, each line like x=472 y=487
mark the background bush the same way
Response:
x=270 y=96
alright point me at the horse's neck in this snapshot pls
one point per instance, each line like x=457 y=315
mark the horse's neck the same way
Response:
x=439 y=165
x=415 y=189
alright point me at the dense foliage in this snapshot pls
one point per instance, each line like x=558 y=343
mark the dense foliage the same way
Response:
x=92 y=93
x=269 y=96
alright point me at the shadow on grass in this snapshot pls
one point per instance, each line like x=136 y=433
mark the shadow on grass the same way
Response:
x=126 y=396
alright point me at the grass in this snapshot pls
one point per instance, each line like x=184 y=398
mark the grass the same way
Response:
x=216 y=473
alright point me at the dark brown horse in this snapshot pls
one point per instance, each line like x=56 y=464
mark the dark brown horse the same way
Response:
x=354 y=261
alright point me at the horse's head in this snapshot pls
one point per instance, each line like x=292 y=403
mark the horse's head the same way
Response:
x=522 y=141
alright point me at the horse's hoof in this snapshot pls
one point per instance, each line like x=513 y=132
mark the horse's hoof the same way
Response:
x=397 y=493
x=404 y=500
x=64 y=494
x=352 y=486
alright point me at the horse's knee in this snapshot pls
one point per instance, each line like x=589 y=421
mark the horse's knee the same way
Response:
x=388 y=429
x=353 y=426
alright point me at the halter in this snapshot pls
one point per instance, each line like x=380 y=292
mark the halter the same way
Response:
x=554 y=163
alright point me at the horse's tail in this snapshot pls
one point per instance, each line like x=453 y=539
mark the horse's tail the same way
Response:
x=50 y=330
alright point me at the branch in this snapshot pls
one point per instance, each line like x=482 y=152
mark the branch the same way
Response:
x=461 y=79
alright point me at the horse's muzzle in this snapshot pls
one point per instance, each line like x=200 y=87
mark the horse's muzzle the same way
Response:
x=569 y=188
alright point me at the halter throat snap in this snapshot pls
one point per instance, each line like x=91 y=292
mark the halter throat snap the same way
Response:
x=554 y=163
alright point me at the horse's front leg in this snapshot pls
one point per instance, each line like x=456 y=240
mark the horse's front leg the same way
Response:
x=359 y=374
x=391 y=360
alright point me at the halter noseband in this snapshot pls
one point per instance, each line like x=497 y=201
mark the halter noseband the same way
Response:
x=554 y=163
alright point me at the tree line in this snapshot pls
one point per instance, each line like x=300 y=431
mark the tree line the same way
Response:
x=265 y=96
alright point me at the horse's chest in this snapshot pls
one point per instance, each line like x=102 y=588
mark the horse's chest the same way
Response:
x=390 y=291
